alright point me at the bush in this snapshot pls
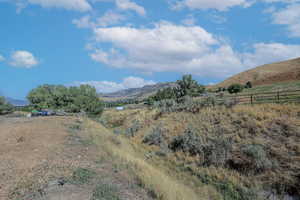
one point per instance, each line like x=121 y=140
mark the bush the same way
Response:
x=248 y=85
x=190 y=142
x=166 y=106
x=214 y=152
x=235 y=88
x=156 y=137
x=5 y=107
x=217 y=152
x=258 y=157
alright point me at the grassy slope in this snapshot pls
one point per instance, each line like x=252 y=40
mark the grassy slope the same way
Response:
x=274 y=127
x=286 y=71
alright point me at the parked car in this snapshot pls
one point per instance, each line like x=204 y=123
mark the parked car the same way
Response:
x=43 y=113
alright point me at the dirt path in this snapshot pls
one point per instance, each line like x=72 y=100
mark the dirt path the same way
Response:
x=54 y=158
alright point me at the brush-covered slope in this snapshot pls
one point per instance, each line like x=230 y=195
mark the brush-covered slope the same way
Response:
x=267 y=74
x=242 y=153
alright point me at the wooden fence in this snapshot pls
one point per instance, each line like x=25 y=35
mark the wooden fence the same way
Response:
x=268 y=97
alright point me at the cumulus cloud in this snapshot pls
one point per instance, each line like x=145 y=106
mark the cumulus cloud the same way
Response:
x=108 y=19
x=77 y=5
x=108 y=86
x=129 y=5
x=185 y=49
x=289 y=16
x=23 y=59
x=267 y=53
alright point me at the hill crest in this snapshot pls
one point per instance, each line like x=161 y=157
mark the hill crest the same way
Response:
x=267 y=74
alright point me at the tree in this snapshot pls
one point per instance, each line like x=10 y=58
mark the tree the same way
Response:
x=72 y=99
x=5 y=107
x=235 y=88
x=248 y=85
x=189 y=87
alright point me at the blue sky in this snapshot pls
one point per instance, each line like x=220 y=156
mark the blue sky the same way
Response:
x=119 y=44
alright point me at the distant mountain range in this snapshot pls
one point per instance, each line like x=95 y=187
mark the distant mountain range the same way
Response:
x=136 y=93
x=17 y=102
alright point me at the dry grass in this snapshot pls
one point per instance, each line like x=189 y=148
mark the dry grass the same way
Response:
x=151 y=177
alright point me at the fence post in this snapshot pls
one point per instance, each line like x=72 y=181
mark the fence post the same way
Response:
x=278 y=96
x=251 y=99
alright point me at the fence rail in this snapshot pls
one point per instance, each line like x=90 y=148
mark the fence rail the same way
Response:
x=268 y=97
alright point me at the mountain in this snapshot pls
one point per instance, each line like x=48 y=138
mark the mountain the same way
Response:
x=267 y=74
x=17 y=102
x=136 y=93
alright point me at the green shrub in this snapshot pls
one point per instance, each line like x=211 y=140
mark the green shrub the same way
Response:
x=235 y=88
x=248 y=85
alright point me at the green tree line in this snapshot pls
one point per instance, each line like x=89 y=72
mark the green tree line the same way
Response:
x=71 y=99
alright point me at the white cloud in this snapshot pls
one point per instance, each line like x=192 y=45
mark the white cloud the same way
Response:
x=84 y=22
x=211 y=4
x=108 y=86
x=129 y=5
x=268 y=53
x=184 y=49
x=289 y=16
x=108 y=19
x=1 y=58
x=23 y=59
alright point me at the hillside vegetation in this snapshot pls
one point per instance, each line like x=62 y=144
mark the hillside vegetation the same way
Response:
x=247 y=152
x=286 y=71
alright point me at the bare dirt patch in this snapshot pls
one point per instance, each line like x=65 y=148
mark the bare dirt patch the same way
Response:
x=39 y=157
